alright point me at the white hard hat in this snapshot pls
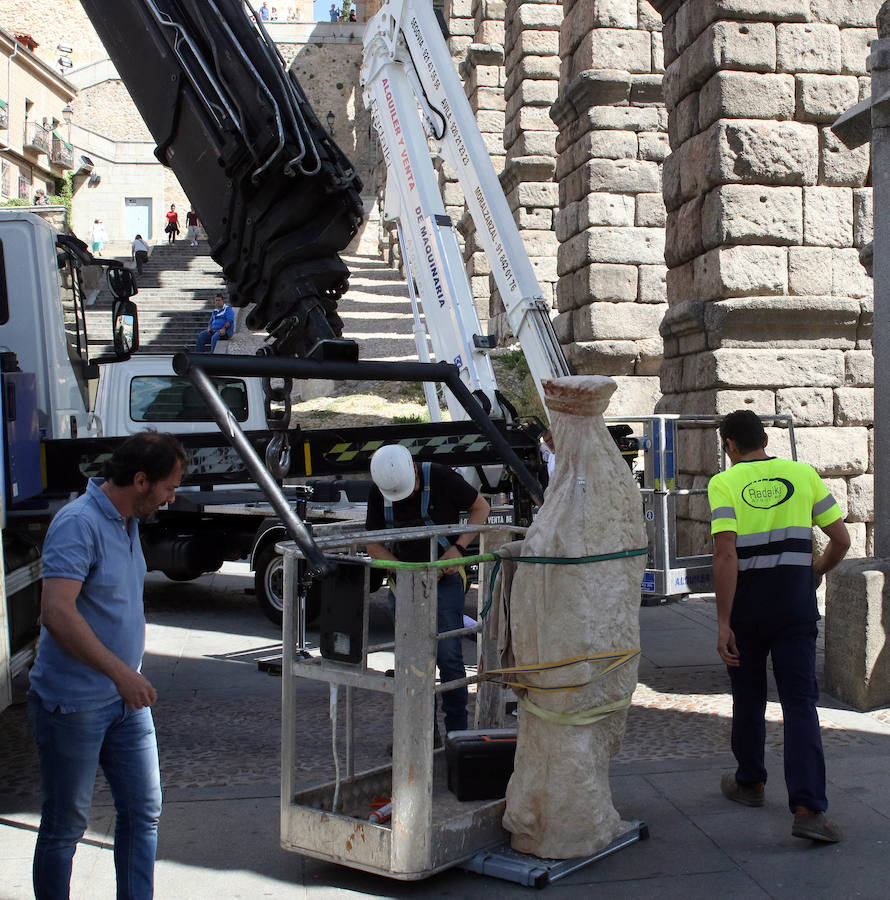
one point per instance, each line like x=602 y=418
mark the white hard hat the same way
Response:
x=392 y=470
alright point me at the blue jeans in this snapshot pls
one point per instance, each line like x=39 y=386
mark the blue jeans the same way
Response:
x=205 y=338
x=793 y=651
x=450 y=652
x=70 y=747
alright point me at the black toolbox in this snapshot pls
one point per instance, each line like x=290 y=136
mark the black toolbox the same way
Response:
x=480 y=763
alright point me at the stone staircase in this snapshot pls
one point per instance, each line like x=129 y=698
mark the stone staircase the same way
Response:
x=175 y=298
x=178 y=282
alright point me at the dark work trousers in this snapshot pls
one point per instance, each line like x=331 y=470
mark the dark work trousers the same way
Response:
x=449 y=653
x=793 y=651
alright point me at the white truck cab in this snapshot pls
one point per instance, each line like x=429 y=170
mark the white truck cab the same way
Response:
x=42 y=320
x=144 y=392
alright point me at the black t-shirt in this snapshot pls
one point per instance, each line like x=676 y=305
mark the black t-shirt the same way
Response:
x=449 y=494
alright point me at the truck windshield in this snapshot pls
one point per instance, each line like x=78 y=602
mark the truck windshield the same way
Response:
x=171 y=398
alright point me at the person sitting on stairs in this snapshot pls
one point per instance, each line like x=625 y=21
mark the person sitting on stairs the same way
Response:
x=220 y=328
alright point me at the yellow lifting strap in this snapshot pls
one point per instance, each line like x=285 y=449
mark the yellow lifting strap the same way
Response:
x=580 y=717
x=615 y=658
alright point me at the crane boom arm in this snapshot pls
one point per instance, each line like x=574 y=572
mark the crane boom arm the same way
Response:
x=277 y=197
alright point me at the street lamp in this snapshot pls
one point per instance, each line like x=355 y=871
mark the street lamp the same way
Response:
x=330 y=118
x=67 y=116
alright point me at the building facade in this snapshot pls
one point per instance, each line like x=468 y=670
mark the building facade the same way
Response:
x=35 y=102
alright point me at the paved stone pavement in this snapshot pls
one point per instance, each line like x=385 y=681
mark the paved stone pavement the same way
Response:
x=218 y=722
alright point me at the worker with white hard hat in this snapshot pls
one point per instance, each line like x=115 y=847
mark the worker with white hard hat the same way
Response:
x=404 y=495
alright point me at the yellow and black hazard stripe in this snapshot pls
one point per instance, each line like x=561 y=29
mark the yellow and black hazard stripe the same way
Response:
x=321 y=456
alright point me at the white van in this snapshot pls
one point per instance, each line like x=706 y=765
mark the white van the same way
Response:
x=144 y=392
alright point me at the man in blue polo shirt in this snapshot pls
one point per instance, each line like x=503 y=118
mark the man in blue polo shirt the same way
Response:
x=89 y=702
x=220 y=327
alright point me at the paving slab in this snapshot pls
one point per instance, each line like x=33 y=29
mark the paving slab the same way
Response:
x=635 y=796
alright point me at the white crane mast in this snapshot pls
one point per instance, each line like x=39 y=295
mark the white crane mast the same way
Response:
x=407 y=66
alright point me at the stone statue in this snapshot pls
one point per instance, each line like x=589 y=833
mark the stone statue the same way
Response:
x=559 y=802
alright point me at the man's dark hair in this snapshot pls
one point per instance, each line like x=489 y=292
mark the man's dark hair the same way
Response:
x=152 y=452
x=745 y=428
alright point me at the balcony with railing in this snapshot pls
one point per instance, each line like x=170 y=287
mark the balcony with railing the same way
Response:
x=37 y=138
x=4 y=115
x=63 y=153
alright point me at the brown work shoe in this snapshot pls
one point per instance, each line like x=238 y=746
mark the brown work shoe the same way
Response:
x=746 y=794
x=816 y=827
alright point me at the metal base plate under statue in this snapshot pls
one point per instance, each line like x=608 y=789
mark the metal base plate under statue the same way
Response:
x=531 y=871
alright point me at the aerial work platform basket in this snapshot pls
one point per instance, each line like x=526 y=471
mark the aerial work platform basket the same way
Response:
x=430 y=829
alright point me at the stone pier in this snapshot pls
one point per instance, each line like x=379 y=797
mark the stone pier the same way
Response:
x=532 y=85
x=612 y=140
x=857 y=615
x=769 y=306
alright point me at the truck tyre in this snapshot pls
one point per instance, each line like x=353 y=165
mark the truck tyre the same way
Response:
x=269 y=586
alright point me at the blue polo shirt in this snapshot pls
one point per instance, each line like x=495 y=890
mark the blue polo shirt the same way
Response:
x=91 y=542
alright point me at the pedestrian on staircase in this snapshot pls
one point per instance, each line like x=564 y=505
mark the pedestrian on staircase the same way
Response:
x=140 y=252
x=191 y=221
x=172 y=227
x=220 y=327
x=98 y=236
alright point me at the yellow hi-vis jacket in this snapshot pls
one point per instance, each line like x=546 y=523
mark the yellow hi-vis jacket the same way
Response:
x=772 y=505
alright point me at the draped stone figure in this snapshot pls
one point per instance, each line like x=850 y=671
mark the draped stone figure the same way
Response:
x=559 y=802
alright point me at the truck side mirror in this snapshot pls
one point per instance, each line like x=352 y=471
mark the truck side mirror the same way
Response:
x=122 y=283
x=125 y=327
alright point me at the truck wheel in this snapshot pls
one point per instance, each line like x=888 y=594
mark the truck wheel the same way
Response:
x=269 y=587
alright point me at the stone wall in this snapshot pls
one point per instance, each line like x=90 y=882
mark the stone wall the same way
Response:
x=770 y=308
x=107 y=107
x=51 y=24
x=610 y=225
x=330 y=74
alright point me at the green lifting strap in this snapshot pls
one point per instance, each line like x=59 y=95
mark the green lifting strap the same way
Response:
x=494 y=557
x=433 y=564
x=556 y=561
